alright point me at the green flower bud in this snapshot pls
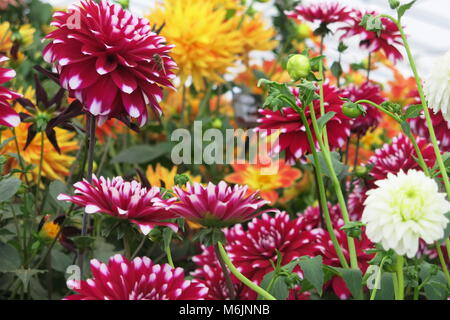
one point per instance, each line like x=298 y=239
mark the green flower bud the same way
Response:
x=361 y=171
x=351 y=110
x=303 y=31
x=217 y=123
x=298 y=67
x=394 y=4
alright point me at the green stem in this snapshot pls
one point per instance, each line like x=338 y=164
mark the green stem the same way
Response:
x=400 y=277
x=337 y=187
x=322 y=194
x=241 y=277
x=39 y=177
x=442 y=261
x=226 y=274
x=169 y=256
x=141 y=244
x=378 y=279
x=21 y=162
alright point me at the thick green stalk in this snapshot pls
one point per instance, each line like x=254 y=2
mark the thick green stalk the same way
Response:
x=337 y=187
x=266 y=295
x=322 y=194
x=400 y=277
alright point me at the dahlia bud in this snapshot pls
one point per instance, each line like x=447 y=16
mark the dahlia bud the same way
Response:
x=361 y=171
x=217 y=123
x=298 y=67
x=303 y=31
x=352 y=110
x=394 y=4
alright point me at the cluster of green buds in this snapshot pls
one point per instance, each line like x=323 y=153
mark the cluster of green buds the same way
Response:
x=353 y=229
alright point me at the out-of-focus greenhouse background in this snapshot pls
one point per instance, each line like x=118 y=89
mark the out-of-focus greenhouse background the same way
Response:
x=427 y=25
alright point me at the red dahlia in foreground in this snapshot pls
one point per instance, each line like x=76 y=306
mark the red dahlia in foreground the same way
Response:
x=139 y=279
x=386 y=41
x=110 y=60
x=8 y=117
x=399 y=155
x=371 y=119
x=292 y=138
x=324 y=13
x=217 y=205
x=124 y=200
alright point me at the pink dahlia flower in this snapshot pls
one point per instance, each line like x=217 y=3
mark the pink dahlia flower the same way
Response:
x=399 y=155
x=124 y=200
x=139 y=279
x=386 y=41
x=110 y=60
x=8 y=117
x=371 y=119
x=324 y=13
x=293 y=139
x=356 y=200
x=217 y=205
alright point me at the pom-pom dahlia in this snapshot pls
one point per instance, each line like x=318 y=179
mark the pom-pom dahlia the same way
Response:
x=387 y=40
x=403 y=209
x=8 y=117
x=217 y=205
x=398 y=155
x=110 y=60
x=124 y=200
x=370 y=120
x=139 y=279
x=437 y=86
x=292 y=137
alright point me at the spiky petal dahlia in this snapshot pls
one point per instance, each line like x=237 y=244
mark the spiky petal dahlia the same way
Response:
x=292 y=138
x=324 y=13
x=403 y=209
x=139 y=279
x=123 y=200
x=370 y=120
x=437 y=86
x=8 y=117
x=206 y=42
x=217 y=205
x=110 y=60
x=399 y=154
x=387 y=40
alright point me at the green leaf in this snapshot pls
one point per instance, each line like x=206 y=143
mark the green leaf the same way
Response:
x=83 y=242
x=353 y=280
x=279 y=95
x=403 y=8
x=338 y=166
x=8 y=188
x=386 y=291
x=142 y=153
x=447 y=229
x=103 y=250
x=9 y=257
x=55 y=188
x=322 y=121
x=280 y=289
x=307 y=93
x=312 y=271
x=413 y=111
x=336 y=69
x=25 y=275
x=406 y=128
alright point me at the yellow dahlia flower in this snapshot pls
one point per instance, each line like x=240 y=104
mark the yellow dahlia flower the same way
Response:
x=206 y=43
x=55 y=166
x=162 y=177
x=26 y=33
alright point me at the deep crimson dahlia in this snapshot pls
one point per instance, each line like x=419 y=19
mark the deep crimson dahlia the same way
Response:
x=324 y=13
x=124 y=200
x=217 y=205
x=370 y=120
x=386 y=41
x=8 y=117
x=139 y=279
x=399 y=155
x=440 y=125
x=293 y=139
x=253 y=250
x=110 y=60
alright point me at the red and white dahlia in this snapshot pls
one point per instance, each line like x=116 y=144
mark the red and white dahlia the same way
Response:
x=217 y=205
x=370 y=120
x=387 y=40
x=139 y=279
x=323 y=13
x=110 y=60
x=292 y=138
x=399 y=155
x=124 y=200
x=8 y=117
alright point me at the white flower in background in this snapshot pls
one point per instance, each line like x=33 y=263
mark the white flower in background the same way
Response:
x=404 y=208
x=437 y=86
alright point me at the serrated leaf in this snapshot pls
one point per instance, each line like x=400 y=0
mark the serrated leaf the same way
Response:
x=403 y=8
x=386 y=291
x=353 y=280
x=321 y=122
x=312 y=271
x=8 y=188
x=338 y=166
x=279 y=95
x=9 y=257
x=413 y=111
x=142 y=153
x=280 y=289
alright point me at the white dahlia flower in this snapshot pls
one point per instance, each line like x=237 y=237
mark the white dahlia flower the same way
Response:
x=437 y=86
x=403 y=209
